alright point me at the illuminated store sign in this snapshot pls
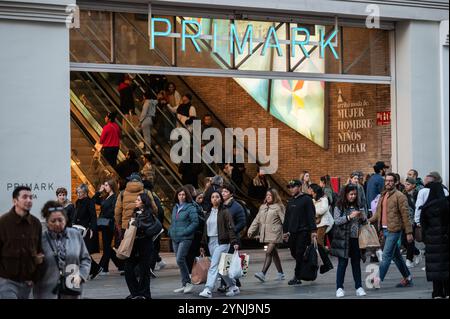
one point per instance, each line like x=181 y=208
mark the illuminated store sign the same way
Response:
x=300 y=37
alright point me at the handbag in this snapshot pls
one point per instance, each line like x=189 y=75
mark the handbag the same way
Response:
x=310 y=266
x=126 y=245
x=418 y=234
x=103 y=223
x=62 y=288
x=155 y=228
x=200 y=270
x=368 y=237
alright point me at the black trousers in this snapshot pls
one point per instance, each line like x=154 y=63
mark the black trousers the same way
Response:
x=110 y=154
x=108 y=252
x=298 y=242
x=137 y=268
x=155 y=257
x=440 y=288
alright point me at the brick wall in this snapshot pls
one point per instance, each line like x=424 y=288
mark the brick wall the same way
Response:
x=296 y=153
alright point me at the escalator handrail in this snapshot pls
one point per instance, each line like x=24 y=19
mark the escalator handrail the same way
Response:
x=156 y=167
x=116 y=109
x=162 y=56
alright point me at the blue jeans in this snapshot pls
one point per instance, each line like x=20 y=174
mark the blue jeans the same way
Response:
x=181 y=250
x=355 y=256
x=391 y=251
x=216 y=251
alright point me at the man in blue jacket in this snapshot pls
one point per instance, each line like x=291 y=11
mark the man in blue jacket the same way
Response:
x=375 y=184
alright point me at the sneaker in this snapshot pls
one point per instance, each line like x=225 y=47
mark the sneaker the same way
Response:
x=281 y=276
x=129 y=297
x=104 y=273
x=161 y=264
x=206 y=293
x=139 y=298
x=379 y=254
x=340 y=293
x=178 y=290
x=418 y=258
x=374 y=259
x=233 y=291
x=360 y=292
x=404 y=283
x=294 y=281
x=376 y=282
x=409 y=263
x=188 y=288
x=260 y=275
x=122 y=272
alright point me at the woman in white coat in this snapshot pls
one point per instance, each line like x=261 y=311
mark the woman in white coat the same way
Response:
x=324 y=219
x=268 y=226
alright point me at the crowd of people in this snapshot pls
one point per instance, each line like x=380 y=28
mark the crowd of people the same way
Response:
x=56 y=261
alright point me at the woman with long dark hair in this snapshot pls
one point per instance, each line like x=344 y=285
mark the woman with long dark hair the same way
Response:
x=106 y=197
x=324 y=219
x=348 y=218
x=137 y=266
x=218 y=235
x=182 y=229
x=268 y=226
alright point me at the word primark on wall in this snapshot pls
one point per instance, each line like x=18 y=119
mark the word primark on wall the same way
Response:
x=192 y=30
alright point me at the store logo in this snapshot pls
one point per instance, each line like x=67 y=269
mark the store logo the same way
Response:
x=373 y=19
x=207 y=146
x=192 y=30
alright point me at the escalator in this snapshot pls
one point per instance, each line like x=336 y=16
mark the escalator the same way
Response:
x=86 y=129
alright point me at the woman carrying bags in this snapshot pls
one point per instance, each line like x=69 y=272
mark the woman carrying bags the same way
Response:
x=138 y=264
x=218 y=235
x=268 y=225
x=348 y=218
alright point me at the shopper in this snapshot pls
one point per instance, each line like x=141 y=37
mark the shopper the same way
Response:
x=110 y=139
x=69 y=208
x=376 y=182
x=348 y=218
x=146 y=117
x=137 y=266
x=324 y=219
x=299 y=226
x=305 y=178
x=106 y=197
x=21 y=253
x=218 y=235
x=87 y=218
x=392 y=218
x=413 y=255
x=259 y=186
x=268 y=227
x=182 y=229
x=435 y=229
x=65 y=253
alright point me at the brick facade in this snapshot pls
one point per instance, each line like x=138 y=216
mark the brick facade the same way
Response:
x=236 y=108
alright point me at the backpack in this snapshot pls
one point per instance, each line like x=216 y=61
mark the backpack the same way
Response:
x=247 y=210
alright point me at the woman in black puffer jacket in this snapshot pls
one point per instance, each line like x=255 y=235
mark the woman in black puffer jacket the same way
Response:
x=141 y=254
x=435 y=232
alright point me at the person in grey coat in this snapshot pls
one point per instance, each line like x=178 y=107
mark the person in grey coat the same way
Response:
x=68 y=246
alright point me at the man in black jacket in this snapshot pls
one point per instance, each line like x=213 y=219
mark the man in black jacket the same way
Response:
x=299 y=227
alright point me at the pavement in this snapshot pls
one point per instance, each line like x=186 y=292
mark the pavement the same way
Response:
x=113 y=286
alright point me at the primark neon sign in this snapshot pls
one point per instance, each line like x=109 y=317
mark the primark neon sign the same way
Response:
x=270 y=40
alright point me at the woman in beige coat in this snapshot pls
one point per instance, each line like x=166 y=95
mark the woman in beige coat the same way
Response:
x=268 y=226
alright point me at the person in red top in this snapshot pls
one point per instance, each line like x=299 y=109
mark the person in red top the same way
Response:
x=110 y=139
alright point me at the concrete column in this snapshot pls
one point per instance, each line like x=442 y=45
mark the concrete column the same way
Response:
x=417 y=138
x=34 y=100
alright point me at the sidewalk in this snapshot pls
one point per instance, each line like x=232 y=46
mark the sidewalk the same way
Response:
x=113 y=286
